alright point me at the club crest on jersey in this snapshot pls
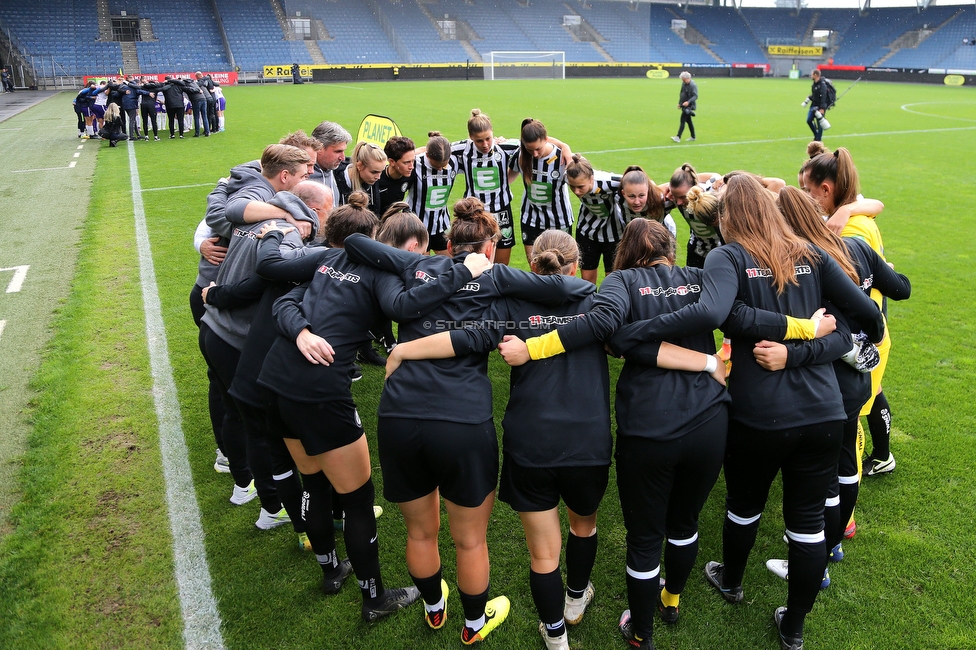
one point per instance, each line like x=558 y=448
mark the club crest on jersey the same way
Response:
x=554 y=175
x=337 y=274
x=868 y=283
x=497 y=157
x=403 y=187
x=423 y=276
x=667 y=292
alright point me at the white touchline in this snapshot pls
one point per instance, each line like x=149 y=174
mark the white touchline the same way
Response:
x=805 y=138
x=3 y=324
x=201 y=620
x=16 y=282
x=42 y=169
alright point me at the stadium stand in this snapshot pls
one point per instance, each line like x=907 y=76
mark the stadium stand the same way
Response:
x=670 y=43
x=776 y=26
x=728 y=34
x=424 y=42
x=64 y=38
x=357 y=36
x=866 y=41
x=941 y=46
x=626 y=28
x=255 y=36
x=189 y=23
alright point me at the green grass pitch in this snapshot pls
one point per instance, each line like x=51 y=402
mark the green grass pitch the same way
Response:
x=86 y=554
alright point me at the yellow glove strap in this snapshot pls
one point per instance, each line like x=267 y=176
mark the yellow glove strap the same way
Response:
x=801 y=328
x=545 y=346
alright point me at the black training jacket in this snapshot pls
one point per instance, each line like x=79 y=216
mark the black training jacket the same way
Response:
x=453 y=390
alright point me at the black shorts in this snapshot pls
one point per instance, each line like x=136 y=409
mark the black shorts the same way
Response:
x=437 y=242
x=321 y=427
x=420 y=456
x=505 y=225
x=537 y=489
x=591 y=251
x=531 y=233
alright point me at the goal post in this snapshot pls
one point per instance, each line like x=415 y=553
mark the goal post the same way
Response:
x=525 y=65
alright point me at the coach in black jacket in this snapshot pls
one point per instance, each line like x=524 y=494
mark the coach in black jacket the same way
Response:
x=818 y=102
x=687 y=103
x=173 y=98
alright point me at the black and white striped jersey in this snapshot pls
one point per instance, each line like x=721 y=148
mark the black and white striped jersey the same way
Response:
x=545 y=203
x=486 y=174
x=429 y=192
x=629 y=215
x=599 y=214
x=703 y=238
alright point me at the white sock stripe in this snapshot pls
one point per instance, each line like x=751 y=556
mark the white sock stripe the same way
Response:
x=848 y=480
x=201 y=618
x=644 y=575
x=742 y=521
x=832 y=502
x=684 y=542
x=806 y=538
x=282 y=477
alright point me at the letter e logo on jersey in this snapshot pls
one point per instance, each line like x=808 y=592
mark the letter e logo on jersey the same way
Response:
x=540 y=193
x=485 y=179
x=437 y=197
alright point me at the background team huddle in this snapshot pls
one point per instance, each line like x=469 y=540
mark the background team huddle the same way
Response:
x=282 y=328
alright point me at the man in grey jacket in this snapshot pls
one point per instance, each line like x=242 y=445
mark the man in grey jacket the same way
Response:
x=687 y=103
x=222 y=331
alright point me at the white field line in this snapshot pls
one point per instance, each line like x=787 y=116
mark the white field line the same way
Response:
x=201 y=620
x=3 y=324
x=42 y=169
x=905 y=107
x=805 y=138
x=20 y=274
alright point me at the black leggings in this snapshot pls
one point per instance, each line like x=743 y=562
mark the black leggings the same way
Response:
x=149 y=118
x=663 y=486
x=175 y=114
x=686 y=119
x=214 y=400
x=807 y=457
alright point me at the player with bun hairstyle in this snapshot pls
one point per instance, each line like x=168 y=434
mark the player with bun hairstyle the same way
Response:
x=832 y=180
x=402 y=229
x=326 y=319
x=367 y=164
x=428 y=447
x=640 y=197
x=703 y=238
x=430 y=188
x=486 y=164
x=541 y=465
x=600 y=222
x=545 y=204
x=393 y=182
x=703 y=206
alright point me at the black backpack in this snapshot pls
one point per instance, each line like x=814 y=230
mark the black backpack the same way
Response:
x=831 y=93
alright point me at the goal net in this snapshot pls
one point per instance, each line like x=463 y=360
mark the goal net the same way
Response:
x=525 y=65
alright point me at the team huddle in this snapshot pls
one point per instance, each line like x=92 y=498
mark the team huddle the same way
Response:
x=307 y=257
x=111 y=110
